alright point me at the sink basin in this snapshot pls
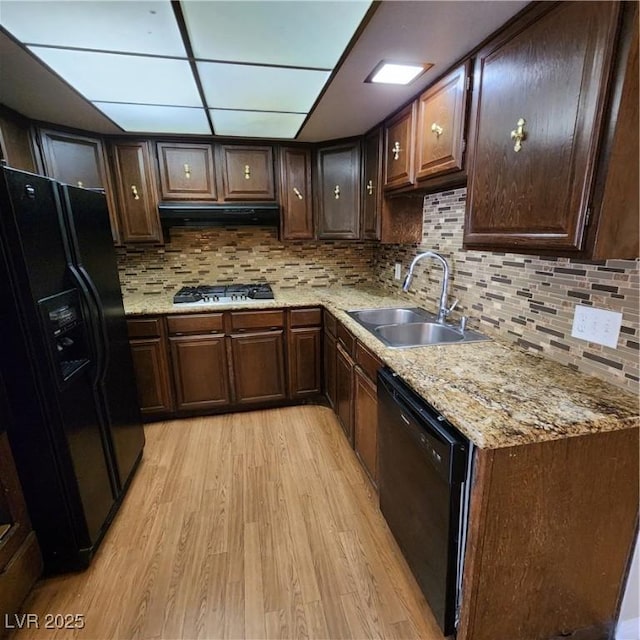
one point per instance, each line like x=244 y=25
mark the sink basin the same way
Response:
x=377 y=317
x=417 y=333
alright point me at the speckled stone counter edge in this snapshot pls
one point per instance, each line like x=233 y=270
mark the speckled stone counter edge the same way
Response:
x=496 y=394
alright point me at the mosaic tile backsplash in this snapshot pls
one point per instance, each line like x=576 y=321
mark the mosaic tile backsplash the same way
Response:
x=526 y=299
x=247 y=254
x=529 y=300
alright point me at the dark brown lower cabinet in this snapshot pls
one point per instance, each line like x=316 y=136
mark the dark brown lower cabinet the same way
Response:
x=20 y=559
x=258 y=366
x=304 y=362
x=200 y=372
x=365 y=423
x=151 y=366
x=344 y=391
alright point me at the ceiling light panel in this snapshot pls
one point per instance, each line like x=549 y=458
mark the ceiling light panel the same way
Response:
x=256 y=124
x=396 y=73
x=300 y=34
x=237 y=86
x=110 y=77
x=137 y=27
x=144 y=118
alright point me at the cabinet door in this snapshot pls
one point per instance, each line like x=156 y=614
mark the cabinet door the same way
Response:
x=247 y=173
x=258 y=367
x=344 y=391
x=151 y=366
x=304 y=362
x=187 y=171
x=399 y=142
x=16 y=145
x=441 y=119
x=365 y=423
x=200 y=371
x=295 y=194
x=80 y=161
x=137 y=199
x=339 y=192
x=535 y=132
x=329 y=361
x=372 y=185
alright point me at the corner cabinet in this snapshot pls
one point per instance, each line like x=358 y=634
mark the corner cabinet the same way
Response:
x=371 y=185
x=247 y=173
x=295 y=194
x=136 y=191
x=540 y=92
x=338 y=192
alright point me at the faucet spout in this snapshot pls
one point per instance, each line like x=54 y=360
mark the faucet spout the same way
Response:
x=443 y=310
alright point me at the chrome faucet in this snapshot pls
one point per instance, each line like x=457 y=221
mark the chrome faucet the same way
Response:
x=444 y=310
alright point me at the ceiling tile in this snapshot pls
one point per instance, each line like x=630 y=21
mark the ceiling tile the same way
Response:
x=111 y=77
x=302 y=34
x=138 y=27
x=256 y=124
x=236 y=86
x=156 y=119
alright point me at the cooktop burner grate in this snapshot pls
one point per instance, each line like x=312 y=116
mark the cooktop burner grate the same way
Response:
x=211 y=294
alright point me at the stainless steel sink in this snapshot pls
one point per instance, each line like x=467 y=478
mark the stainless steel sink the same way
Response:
x=417 y=333
x=377 y=317
x=404 y=327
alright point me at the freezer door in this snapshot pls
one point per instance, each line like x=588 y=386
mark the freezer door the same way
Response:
x=95 y=257
x=56 y=433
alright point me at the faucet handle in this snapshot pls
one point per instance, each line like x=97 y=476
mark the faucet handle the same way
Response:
x=452 y=307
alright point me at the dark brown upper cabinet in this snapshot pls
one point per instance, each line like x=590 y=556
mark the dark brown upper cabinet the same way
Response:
x=399 y=149
x=136 y=191
x=338 y=192
x=80 y=161
x=16 y=141
x=296 y=197
x=247 y=173
x=371 y=185
x=187 y=171
x=539 y=102
x=442 y=111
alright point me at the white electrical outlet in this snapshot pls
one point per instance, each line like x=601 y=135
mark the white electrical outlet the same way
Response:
x=596 y=325
x=397 y=271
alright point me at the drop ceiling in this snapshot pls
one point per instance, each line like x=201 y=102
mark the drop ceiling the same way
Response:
x=268 y=68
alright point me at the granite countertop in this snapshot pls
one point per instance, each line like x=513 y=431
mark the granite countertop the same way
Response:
x=496 y=393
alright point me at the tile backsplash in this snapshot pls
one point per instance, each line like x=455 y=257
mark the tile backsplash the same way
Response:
x=246 y=254
x=527 y=299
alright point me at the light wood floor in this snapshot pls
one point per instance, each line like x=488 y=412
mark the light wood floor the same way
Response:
x=252 y=525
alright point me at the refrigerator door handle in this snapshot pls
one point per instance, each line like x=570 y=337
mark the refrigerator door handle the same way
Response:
x=87 y=297
x=104 y=341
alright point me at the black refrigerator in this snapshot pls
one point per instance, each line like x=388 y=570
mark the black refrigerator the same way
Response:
x=76 y=433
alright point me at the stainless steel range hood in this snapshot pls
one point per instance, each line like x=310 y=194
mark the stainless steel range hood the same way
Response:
x=202 y=215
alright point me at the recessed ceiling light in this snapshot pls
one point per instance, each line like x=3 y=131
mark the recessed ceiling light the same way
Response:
x=396 y=73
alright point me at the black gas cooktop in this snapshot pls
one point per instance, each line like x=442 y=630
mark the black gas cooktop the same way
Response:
x=223 y=293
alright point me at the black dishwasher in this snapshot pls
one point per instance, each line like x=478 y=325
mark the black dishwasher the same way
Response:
x=422 y=470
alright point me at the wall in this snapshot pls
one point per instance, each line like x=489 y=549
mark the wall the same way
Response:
x=245 y=254
x=526 y=299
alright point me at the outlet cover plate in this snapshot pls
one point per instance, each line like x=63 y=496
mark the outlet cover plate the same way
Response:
x=596 y=325
x=397 y=271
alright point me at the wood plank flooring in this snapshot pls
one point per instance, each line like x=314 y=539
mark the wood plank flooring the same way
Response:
x=251 y=525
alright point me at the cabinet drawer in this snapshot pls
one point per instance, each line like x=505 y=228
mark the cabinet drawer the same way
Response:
x=346 y=339
x=196 y=323
x=305 y=317
x=368 y=362
x=241 y=320
x=330 y=323
x=145 y=328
